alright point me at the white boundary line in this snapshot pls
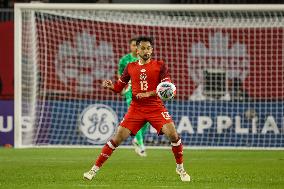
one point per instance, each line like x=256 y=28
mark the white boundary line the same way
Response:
x=162 y=147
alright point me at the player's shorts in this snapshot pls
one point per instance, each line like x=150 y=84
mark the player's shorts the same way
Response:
x=138 y=115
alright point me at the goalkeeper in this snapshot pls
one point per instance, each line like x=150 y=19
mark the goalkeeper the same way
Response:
x=127 y=92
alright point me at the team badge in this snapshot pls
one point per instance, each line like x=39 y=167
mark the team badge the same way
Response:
x=143 y=76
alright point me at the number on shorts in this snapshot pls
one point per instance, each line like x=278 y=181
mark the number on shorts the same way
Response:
x=166 y=115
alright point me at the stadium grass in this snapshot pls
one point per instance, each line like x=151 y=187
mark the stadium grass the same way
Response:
x=63 y=168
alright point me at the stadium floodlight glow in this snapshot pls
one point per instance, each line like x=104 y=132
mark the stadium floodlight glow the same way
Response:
x=226 y=62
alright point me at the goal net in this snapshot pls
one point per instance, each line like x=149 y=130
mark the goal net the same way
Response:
x=227 y=66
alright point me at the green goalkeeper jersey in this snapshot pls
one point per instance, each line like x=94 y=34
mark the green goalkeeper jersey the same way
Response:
x=121 y=66
x=124 y=61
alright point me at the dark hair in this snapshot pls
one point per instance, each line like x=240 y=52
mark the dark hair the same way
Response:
x=144 y=39
x=132 y=39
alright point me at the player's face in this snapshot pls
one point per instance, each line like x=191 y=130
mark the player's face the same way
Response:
x=144 y=50
x=133 y=47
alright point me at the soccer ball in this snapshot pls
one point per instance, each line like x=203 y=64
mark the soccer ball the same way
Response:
x=166 y=90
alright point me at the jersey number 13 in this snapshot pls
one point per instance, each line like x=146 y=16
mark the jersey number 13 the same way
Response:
x=144 y=85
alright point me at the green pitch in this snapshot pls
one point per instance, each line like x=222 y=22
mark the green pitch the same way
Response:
x=63 y=168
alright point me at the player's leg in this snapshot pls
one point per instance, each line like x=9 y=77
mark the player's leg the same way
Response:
x=138 y=141
x=121 y=134
x=177 y=148
x=129 y=125
x=163 y=123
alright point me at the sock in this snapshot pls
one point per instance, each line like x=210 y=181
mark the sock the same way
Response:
x=177 y=151
x=95 y=168
x=180 y=166
x=140 y=135
x=105 y=154
x=139 y=138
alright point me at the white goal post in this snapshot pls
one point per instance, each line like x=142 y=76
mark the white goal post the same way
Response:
x=227 y=62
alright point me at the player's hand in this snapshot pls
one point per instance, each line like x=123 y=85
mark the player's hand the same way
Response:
x=108 y=84
x=142 y=95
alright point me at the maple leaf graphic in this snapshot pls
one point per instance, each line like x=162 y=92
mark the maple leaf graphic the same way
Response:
x=84 y=61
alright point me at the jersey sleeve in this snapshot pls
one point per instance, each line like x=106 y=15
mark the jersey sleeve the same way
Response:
x=164 y=73
x=122 y=81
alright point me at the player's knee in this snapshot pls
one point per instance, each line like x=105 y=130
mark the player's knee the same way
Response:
x=170 y=132
x=121 y=135
x=117 y=139
x=174 y=137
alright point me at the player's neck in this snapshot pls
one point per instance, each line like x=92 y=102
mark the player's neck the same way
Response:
x=142 y=62
x=134 y=54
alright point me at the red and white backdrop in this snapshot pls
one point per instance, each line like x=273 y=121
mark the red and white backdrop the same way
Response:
x=76 y=55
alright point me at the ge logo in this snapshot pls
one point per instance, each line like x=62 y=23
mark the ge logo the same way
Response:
x=97 y=122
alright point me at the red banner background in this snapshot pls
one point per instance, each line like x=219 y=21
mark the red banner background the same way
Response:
x=7 y=59
x=263 y=50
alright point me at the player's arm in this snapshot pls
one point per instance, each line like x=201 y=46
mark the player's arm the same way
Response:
x=146 y=94
x=120 y=83
x=121 y=66
x=164 y=74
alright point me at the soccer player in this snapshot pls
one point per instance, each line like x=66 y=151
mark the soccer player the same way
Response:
x=127 y=92
x=145 y=74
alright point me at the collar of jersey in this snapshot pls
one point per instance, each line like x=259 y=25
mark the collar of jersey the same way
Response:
x=139 y=63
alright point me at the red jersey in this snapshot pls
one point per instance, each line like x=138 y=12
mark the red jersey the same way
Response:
x=144 y=78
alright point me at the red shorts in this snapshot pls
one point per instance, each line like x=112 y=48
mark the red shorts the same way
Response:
x=137 y=115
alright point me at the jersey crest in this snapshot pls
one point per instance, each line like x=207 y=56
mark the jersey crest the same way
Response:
x=143 y=76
